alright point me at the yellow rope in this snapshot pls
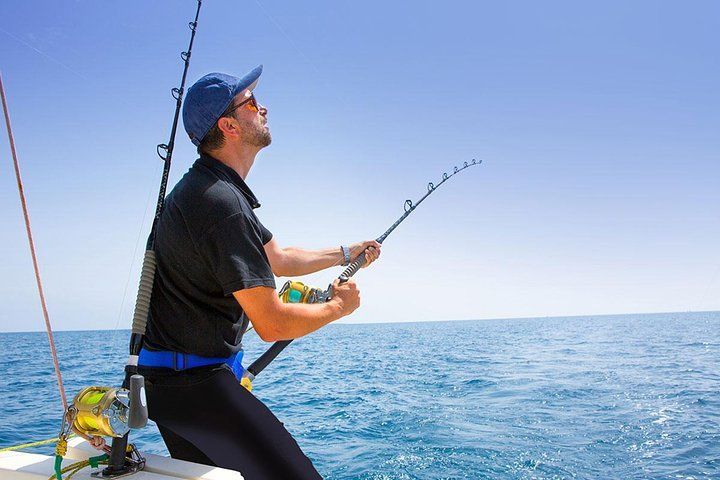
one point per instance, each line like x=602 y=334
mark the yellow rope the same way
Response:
x=61 y=447
x=34 y=444
x=74 y=468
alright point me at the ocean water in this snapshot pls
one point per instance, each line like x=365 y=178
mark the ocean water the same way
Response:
x=607 y=397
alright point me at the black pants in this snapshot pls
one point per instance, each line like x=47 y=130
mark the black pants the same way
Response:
x=206 y=416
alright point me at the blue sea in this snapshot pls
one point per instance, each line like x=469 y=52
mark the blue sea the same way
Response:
x=605 y=397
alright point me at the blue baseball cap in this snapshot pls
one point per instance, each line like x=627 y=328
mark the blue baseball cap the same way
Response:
x=209 y=97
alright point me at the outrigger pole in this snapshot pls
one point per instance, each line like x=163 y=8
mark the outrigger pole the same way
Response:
x=264 y=360
x=142 y=305
x=26 y=215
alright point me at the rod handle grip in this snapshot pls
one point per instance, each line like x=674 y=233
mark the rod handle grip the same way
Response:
x=264 y=360
x=138 y=415
x=353 y=268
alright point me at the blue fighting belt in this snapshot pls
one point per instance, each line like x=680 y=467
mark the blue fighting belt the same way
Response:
x=183 y=361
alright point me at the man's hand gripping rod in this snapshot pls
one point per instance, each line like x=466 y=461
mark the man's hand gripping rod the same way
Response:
x=318 y=297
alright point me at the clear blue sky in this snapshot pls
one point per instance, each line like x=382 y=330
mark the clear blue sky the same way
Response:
x=597 y=123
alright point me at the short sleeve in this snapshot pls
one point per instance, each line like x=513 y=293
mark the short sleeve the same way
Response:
x=233 y=251
x=265 y=234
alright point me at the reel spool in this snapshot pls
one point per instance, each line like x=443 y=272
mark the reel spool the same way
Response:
x=102 y=411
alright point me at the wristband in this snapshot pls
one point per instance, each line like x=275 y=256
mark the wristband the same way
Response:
x=346 y=255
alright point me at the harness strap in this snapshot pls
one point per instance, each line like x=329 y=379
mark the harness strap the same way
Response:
x=183 y=361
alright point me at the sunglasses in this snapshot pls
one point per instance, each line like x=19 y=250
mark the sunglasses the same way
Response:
x=251 y=103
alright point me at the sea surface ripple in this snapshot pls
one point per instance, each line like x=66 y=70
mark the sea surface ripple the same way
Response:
x=606 y=397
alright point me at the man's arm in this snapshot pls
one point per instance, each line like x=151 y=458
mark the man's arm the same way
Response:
x=274 y=320
x=291 y=261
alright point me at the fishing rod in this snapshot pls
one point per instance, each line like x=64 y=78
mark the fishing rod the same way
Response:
x=297 y=292
x=164 y=151
x=119 y=463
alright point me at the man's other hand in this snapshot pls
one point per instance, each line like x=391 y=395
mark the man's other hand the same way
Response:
x=346 y=295
x=370 y=247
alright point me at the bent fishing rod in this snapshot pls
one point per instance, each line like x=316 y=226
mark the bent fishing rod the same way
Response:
x=296 y=292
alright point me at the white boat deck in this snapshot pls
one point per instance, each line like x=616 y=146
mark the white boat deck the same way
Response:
x=31 y=466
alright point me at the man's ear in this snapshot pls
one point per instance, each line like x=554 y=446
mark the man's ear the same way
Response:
x=229 y=127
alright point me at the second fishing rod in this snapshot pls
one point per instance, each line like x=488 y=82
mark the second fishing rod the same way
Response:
x=297 y=292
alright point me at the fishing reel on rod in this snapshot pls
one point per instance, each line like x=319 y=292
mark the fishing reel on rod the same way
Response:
x=108 y=412
x=298 y=292
x=291 y=292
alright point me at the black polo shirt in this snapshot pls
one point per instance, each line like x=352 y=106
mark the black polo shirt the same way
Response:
x=208 y=244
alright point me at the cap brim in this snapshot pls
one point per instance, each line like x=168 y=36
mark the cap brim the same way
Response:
x=249 y=81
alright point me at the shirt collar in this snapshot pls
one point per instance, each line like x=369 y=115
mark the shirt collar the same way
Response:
x=231 y=175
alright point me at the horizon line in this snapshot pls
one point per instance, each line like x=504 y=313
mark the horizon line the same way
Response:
x=417 y=321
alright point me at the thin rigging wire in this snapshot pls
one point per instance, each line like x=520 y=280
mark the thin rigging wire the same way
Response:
x=320 y=77
x=134 y=256
x=710 y=284
x=284 y=34
x=40 y=52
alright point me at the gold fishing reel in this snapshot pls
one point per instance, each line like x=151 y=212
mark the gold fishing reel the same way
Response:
x=101 y=411
x=108 y=411
x=298 y=292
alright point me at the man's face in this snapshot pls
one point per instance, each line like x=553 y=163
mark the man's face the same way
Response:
x=252 y=118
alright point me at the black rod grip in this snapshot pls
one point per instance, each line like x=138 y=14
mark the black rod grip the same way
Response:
x=138 y=415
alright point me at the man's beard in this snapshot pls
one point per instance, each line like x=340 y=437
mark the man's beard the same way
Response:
x=257 y=136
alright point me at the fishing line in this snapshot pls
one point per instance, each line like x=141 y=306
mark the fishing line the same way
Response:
x=134 y=256
x=320 y=77
x=707 y=289
x=287 y=37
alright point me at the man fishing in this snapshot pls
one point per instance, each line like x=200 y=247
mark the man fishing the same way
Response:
x=216 y=264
